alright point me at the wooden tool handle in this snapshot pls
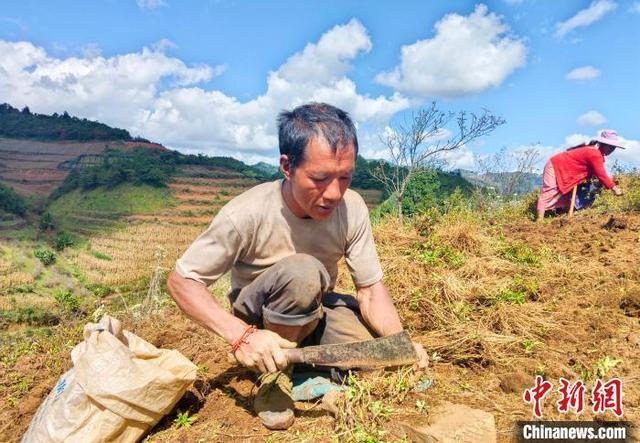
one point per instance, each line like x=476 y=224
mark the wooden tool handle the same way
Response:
x=295 y=355
x=573 y=201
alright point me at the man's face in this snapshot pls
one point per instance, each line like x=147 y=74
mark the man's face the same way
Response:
x=320 y=180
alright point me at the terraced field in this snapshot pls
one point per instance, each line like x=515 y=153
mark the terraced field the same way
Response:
x=198 y=198
x=37 y=168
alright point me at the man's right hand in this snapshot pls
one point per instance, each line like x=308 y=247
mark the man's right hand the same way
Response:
x=264 y=351
x=617 y=191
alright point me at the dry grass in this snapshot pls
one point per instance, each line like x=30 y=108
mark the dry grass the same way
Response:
x=131 y=252
x=488 y=294
x=11 y=280
x=12 y=274
x=473 y=295
x=197 y=220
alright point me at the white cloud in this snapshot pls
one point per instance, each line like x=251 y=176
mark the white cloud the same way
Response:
x=161 y=98
x=151 y=4
x=163 y=44
x=317 y=73
x=116 y=90
x=331 y=57
x=592 y=118
x=635 y=8
x=467 y=55
x=629 y=155
x=462 y=158
x=583 y=73
x=585 y=17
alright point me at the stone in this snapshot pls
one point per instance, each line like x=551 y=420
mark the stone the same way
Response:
x=449 y=423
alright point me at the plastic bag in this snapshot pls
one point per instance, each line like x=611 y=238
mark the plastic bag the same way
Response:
x=120 y=386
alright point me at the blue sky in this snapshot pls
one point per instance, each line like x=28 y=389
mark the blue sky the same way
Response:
x=210 y=76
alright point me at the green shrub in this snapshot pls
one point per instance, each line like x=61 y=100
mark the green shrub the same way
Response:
x=427 y=220
x=11 y=201
x=100 y=290
x=520 y=253
x=22 y=289
x=528 y=286
x=63 y=240
x=426 y=190
x=46 y=256
x=67 y=301
x=30 y=315
x=434 y=254
x=629 y=182
x=46 y=221
x=511 y=296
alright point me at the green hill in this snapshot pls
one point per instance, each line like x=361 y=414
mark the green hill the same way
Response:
x=89 y=211
x=25 y=124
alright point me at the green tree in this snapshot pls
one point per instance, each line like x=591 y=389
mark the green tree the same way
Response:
x=11 y=201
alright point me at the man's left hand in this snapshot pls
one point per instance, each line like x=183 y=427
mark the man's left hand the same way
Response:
x=423 y=358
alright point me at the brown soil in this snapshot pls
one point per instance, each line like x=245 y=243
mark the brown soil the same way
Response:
x=590 y=303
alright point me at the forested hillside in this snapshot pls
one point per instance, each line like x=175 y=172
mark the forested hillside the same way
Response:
x=25 y=124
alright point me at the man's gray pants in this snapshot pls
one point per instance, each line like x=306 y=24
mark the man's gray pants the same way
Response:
x=294 y=292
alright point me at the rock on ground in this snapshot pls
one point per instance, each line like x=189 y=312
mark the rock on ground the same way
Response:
x=450 y=423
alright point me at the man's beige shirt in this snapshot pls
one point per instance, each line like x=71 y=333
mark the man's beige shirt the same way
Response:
x=257 y=229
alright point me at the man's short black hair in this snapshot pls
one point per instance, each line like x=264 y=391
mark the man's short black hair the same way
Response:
x=297 y=127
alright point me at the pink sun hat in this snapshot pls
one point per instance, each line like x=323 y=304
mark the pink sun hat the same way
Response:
x=609 y=137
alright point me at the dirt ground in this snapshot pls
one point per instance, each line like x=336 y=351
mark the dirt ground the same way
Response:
x=589 y=305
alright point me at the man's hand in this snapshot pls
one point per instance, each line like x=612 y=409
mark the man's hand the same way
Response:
x=423 y=358
x=264 y=352
x=617 y=191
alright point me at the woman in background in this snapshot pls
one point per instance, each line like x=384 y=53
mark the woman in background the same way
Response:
x=567 y=169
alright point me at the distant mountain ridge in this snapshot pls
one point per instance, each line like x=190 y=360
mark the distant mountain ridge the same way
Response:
x=518 y=183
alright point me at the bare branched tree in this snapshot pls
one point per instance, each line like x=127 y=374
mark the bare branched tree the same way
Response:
x=509 y=169
x=420 y=141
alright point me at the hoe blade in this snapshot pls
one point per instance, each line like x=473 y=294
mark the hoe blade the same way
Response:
x=393 y=350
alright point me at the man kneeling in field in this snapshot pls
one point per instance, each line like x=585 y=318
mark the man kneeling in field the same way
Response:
x=282 y=242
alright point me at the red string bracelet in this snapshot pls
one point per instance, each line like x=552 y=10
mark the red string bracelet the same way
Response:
x=243 y=338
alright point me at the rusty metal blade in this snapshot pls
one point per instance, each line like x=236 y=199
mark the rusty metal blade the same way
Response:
x=392 y=350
